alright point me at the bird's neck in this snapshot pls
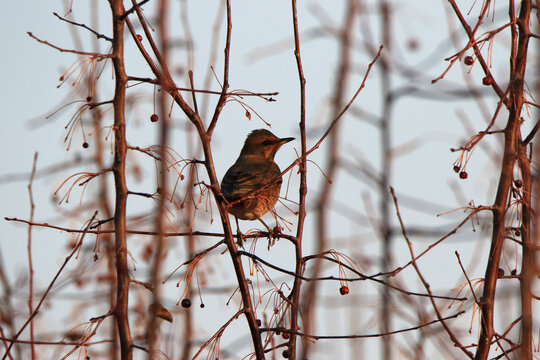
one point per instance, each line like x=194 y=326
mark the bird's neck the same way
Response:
x=254 y=156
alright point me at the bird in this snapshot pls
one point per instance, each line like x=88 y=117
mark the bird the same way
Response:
x=254 y=169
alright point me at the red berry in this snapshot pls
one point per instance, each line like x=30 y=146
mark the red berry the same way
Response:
x=154 y=118
x=139 y=37
x=468 y=60
x=61 y=78
x=259 y=322
x=186 y=303
x=456 y=169
x=463 y=175
x=500 y=273
x=85 y=145
x=344 y=290
x=518 y=183
x=88 y=98
x=487 y=81
x=517 y=232
x=285 y=354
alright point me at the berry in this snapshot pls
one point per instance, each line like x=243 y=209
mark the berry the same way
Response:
x=518 y=183
x=500 y=273
x=186 y=303
x=513 y=272
x=154 y=118
x=285 y=354
x=463 y=175
x=259 y=322
x=201 y=306
x=517 y=232
x=344 y=290
x=139 y=37
x=468 y=60
x=487 y=81
x=285 y=336
x=85 y=145
x=413 y=44
x=456 y=169
x=61 y=78
x=89 y=98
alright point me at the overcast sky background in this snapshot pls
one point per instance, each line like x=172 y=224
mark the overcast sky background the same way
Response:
x=261 y=61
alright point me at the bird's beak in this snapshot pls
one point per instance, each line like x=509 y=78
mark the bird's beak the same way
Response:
x=285 y=140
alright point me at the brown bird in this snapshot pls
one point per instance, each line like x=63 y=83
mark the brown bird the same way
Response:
x=254 y=169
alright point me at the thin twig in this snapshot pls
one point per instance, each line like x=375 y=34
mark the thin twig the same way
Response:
x=361 y=336
x=302 y=191
x=225 y=84
x=29 y=250
x=240 y=93
x=141 y=232
x=98 y=35
x=467 y=277
x=92 y=54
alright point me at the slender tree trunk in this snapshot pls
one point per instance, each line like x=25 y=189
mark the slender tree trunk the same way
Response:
x=518 y=61
x=119 y=168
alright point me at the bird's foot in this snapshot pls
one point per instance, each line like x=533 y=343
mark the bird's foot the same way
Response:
x=273 y=235
x=239 y=238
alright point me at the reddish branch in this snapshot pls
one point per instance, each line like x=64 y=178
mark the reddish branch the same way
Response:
x=518 y=61
x=527 y=214
x=295 y=293
x=121 y=192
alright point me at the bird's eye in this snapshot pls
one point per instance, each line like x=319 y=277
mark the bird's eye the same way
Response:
x=267 y=142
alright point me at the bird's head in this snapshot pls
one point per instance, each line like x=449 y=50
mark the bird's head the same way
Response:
x=262 y=143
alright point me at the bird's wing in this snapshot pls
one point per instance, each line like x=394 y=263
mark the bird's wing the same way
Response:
x=243 y=178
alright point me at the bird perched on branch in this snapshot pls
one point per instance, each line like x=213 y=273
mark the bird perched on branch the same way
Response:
x=254 y=170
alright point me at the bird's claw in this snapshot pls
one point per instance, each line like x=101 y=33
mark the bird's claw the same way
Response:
x=273 y=235
x=239 y=238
